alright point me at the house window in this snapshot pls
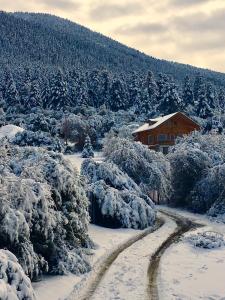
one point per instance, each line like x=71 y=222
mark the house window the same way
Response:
x=162 y=137
x=150 y=139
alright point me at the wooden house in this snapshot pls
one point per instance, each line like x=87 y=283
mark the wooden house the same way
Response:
x=160 y=133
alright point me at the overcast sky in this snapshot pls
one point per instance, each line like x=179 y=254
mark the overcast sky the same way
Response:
x=187 y=31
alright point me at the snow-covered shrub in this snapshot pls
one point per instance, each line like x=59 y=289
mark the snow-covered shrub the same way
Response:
x=88 y=149
x=206 y=240
x=14 y=284
x=188 y=165
x=149 y=169
x=198 y=173
x=116 y=200
x=208 y=194
x=37 y=139
x=43 y=211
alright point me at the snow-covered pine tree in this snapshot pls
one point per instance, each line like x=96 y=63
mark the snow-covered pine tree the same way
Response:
x=26 y=86
x=197 y=83
x=82 y=93
x=11 y=95
x=118 y=97
x=149 y=95
x=171 y=101
x=94 y=88
x=134 y=90
x=59 y=97
x=105 y=79
x=221 y=100
x=203 y=109
x=45 y=94
x=188 y=96
x=88 y=149
x=211 y=96
x=34 y=99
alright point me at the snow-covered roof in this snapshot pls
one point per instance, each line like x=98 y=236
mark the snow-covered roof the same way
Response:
x=9 y=131
x=155 y=123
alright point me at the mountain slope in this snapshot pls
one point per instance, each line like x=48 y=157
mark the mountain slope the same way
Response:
x=47 y=41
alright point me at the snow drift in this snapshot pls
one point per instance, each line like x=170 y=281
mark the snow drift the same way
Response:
x=116 y=200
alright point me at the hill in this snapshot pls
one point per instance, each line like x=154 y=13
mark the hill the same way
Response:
x=47 y=42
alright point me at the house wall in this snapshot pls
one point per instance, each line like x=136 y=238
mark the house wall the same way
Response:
x=176 y=126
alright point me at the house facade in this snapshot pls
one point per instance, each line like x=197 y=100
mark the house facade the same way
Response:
x=160 y=133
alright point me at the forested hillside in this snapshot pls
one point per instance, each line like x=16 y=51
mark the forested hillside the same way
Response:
x=52 y=63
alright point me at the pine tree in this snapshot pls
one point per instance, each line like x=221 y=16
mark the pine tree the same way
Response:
x=25 y=89
x=82 y=93
x=211 y=96
x=197 y=84
x=59 y=97
x=105 y=88
x=188 y=96
x=88 y=149
x=11 y=95
x=134 y=90
x=45 y=95
x=203 y=109
x=118 y=97
x=149 y=95
x=34 y=99
x=171 y=101
x=221 y=100
x=94 y=87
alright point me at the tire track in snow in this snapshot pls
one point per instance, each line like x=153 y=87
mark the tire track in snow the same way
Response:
x=183 y=225
x=94 y=281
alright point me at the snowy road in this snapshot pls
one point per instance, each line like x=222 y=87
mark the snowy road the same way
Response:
x=183 y=225
x=131 y=271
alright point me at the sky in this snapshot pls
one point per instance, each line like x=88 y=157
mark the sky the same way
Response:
x=187 y=31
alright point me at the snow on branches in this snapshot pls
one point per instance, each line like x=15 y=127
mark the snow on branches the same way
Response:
x=149 y=169
x=116 y=200
x=43 y=211
x=14 y=284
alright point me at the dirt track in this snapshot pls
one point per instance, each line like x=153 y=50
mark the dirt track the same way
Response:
x=92 y=286
x=183 y=225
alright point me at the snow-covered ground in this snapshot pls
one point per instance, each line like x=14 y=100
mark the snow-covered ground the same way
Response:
x=127 y=278
x=187 y=272
x=76 y=159
x=59 y=287
x=9 y=131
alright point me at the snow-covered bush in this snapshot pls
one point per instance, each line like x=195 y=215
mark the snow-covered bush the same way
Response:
x=206 y=240
x=37 y=139
x=14 y=284
x=116 y=200
x=198 y=173
x=149 y=169
x=208 y=193
x=43 y=211
x=88 y=149
x=188 y=165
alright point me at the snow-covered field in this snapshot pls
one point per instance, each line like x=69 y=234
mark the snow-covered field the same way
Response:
x=188 y=272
